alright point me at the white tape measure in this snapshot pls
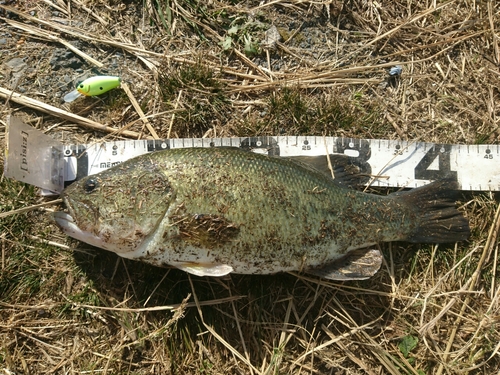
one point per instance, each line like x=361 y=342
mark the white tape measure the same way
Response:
x=390 y=163
x=387 y=163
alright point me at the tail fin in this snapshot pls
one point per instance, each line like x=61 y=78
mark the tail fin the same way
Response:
x=440 y=221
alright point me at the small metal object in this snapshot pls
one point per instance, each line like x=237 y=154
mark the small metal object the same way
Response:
x=396 y=71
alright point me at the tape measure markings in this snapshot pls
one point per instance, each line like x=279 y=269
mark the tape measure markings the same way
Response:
x=399 y=163
x=37 y=159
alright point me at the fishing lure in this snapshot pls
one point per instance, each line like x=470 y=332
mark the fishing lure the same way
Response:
x=93 y=86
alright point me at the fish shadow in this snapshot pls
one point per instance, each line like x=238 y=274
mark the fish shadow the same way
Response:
x=251 y=311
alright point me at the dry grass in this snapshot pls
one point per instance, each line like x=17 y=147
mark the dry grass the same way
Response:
x=66 y=308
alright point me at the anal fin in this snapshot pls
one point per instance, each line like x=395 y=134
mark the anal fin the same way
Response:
x=360 y=264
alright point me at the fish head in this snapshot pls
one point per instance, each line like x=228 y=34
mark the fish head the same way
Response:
x=83 y=88
x=118 y=209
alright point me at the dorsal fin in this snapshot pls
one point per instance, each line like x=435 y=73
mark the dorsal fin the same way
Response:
x=345 y=172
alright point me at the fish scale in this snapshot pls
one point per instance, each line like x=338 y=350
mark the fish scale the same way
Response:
x=220 y=210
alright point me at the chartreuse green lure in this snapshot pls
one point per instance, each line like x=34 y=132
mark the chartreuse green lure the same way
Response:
x=93 y=86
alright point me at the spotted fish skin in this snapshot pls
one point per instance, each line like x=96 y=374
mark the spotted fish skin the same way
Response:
x=212 y=211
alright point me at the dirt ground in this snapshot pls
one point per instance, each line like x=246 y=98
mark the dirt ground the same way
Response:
x=228 y=68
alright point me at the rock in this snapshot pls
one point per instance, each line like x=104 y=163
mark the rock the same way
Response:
x=272 y=36
x=16 y=64
x=62 y=58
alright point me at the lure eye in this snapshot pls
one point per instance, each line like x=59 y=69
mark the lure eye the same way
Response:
x=81 y=86
x=90 y=185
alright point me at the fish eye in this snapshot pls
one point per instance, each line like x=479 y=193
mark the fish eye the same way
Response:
x=90 y=185
x=81 y=86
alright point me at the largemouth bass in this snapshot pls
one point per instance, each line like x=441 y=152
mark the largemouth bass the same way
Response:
x=213 y=211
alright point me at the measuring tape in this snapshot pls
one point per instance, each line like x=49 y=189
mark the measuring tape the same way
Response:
x=390 y=163
x=385 y=163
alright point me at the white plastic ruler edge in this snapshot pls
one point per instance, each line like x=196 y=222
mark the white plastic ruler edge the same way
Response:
x=392 y=163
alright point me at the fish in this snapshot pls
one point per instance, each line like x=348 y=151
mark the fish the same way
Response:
x=93 y=86
x=215 y=211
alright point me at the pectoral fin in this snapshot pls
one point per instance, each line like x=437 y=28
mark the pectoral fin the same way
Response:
x=205 y=269
x=205 y=230
x=358 y=264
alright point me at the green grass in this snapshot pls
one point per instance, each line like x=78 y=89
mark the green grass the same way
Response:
x=298 y=111
x=20 y=275
x=73 y=310
x=189 y=12
x=202 y=94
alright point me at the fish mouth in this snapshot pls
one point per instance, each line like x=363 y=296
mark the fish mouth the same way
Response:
x=67 y=223
x=65 y=219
